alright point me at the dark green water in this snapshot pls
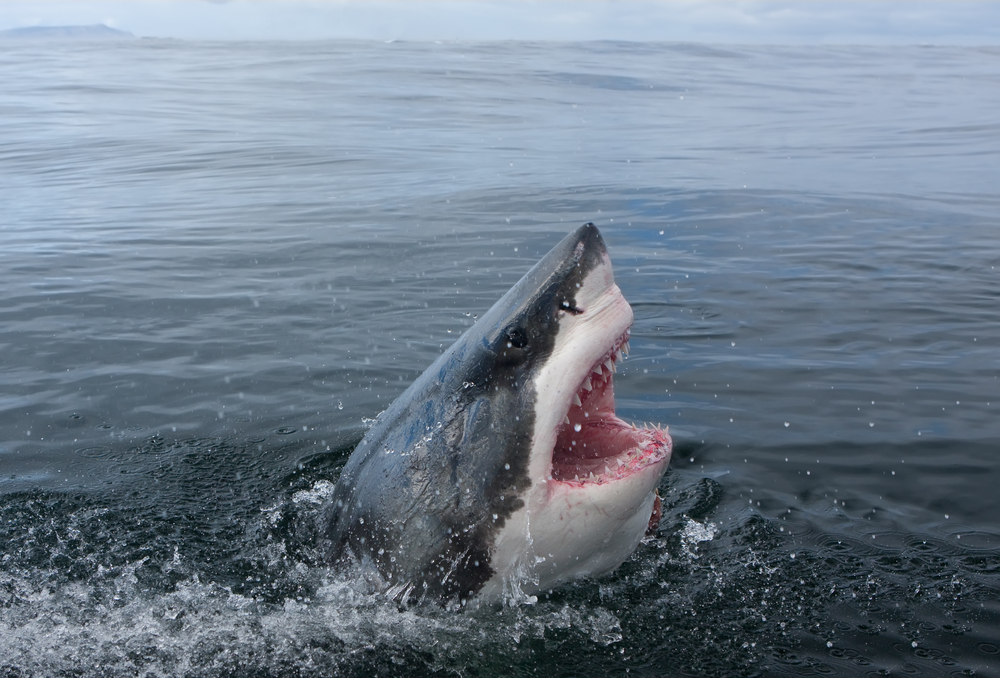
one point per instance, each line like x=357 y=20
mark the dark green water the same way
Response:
x=218 y=260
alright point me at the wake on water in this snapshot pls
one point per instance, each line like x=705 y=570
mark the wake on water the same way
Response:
x=115 y=584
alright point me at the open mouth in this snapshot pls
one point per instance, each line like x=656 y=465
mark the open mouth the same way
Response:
x=595 y=446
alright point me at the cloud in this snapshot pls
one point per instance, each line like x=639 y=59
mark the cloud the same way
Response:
x=727 y=21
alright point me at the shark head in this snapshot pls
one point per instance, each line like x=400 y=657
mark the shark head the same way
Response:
x=593 y=476
x=504 y=467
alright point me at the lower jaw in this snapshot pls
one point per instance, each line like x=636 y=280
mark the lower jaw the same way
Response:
x=631 y=451
x=655 y=467
x=589 y=530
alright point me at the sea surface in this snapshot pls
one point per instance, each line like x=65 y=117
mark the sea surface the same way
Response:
x=220 y=261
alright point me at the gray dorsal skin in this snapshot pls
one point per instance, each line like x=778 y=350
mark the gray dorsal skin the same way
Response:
x=426 y=491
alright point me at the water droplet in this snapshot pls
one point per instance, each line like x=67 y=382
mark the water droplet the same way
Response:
x=577 y=427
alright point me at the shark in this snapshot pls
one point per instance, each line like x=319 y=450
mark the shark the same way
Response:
x=503 y=470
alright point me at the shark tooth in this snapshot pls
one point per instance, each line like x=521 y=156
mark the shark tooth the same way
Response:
x=576 y=400
x=588 y=385
x=609 y=364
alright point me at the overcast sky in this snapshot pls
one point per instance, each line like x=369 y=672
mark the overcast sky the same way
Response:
x=802 y=21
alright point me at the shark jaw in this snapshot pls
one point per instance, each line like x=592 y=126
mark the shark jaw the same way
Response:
x=593 y=445
x=594 y=476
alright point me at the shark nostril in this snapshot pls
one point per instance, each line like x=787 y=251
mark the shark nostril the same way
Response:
x=570 y=307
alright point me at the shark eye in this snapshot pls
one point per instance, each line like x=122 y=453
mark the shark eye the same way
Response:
x=570 y=308
x=516 y=338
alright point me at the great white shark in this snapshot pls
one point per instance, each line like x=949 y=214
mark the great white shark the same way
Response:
x=503 y=469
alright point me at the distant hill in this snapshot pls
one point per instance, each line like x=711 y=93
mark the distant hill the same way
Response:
x=95 y=32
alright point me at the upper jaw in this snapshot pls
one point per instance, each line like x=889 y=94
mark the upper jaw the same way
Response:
x=583 y=343
x=593 y=445
x=584 y=441
x=595 y=339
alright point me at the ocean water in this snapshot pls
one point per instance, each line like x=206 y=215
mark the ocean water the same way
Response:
x=218 y=261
